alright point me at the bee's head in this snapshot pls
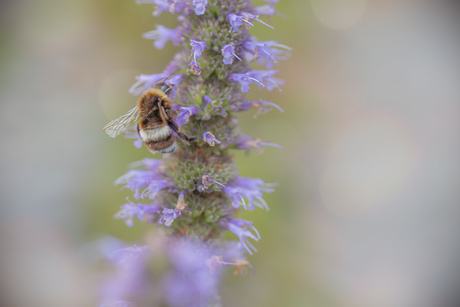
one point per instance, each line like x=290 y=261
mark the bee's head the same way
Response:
x=164 y=87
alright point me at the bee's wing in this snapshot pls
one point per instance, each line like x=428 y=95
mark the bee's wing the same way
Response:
x=119 y=124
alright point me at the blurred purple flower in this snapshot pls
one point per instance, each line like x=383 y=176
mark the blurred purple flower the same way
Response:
x=142 y=212
x=162 y=35
x=200 y=6
x=261 y=106
x=190 y=283
x=243 y=230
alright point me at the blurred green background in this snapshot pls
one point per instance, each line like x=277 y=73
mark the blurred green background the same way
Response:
x=366 y=212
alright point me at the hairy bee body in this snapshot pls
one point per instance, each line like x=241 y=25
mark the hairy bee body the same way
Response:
x=156 y=134
x=156 y=124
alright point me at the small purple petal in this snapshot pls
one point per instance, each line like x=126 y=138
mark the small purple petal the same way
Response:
x=197 y=48
x=266 y=76
x=150 y=180
x=200 y=6
x=246 y=142
x=190 y=282
x=154 y=188
x=195 y=68
x=235 y=21
x=252 y=189
x=266 y=10
x=162 y=34
x=130 y=265
x=161 y=5
x=245 y=79
x=131 y=210
x=261 y=106
x=243 y=230
x=248 y=17
x=184 y=115
x=144 y=82
x=168 y=216
x=209 y=138
x=235 y=195
x=228 y=51
x=266 y=52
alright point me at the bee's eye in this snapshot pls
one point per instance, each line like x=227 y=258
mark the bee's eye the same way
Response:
x=154 y=99
x=165 y=88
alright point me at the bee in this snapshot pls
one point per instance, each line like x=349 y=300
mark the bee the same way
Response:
x=155 y=110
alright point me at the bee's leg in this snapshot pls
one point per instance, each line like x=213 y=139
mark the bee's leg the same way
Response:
x=172 y=124
x=163 y=115
x=185 y=138
x=138 y=130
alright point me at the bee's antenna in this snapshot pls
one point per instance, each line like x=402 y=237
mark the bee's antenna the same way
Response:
x=169 y=77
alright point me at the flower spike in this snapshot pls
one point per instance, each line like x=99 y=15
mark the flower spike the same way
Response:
x=193 y=192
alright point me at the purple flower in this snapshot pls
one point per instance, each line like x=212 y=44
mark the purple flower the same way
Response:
x=168 y=216
x=197 y=48
x=261 y=106
x=130 y=210
x=154 y=187
x=144 y=82
x=235 y=195
x=249 y=18
x=151 y=181
x=128 y=279
x=266 y=76
x=234 y=253
x=178 y=7
x=184 y=115
x=247 y=143
x=161 y=5
x=149 y=164
x=209 y=138
x=190 y=283
x=252 y=189
x=200 y=6
x=244 y=231
x=244 y=18
x=194 y=68
x=266 y=10
x=162 y=34
x=228 y=51
x=235 y=22
x=131 y=133
x=265 y=52
x=245 y=79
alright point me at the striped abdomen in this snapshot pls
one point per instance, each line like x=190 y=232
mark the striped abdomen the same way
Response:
x=158 y=139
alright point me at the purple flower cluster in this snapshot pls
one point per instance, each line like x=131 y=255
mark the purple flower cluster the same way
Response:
x=194 y=193
x=193 y=270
